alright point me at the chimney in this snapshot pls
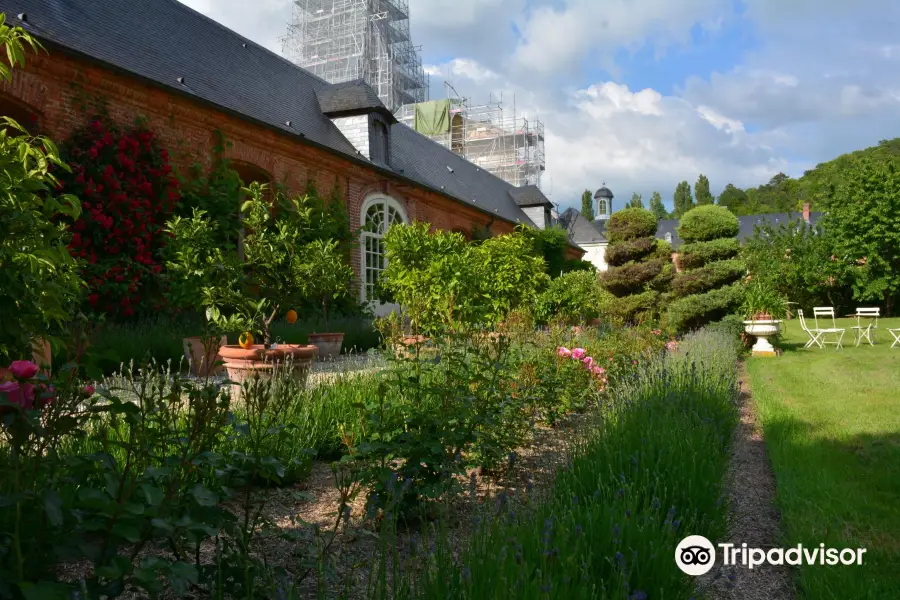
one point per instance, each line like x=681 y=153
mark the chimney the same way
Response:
x=806 y=212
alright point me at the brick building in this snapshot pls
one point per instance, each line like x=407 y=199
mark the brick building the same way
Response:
x=192 y=78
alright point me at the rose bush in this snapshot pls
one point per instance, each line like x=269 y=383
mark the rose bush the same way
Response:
x=128 y=191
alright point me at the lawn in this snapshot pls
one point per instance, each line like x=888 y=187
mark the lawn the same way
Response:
x=831 y=422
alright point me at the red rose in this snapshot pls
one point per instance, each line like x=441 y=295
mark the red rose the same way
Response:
x=93 y=299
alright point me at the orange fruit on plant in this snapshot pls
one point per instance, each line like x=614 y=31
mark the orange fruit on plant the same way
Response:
x=246 y=340
x=292 y=316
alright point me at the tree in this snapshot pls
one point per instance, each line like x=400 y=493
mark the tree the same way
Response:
x=863 y=214
x=40 y=284
x=683 y=199
x=637 y=201
x=701 y=190
x=708 y=286
x=587 y=205
x=657 y=207
x=734 y=199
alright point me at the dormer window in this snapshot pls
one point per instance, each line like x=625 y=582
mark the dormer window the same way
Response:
x=379 y=144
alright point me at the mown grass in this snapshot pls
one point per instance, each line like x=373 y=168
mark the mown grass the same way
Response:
x=649 y=474
x=831 y=421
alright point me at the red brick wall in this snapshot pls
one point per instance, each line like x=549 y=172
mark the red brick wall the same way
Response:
x=65 y=91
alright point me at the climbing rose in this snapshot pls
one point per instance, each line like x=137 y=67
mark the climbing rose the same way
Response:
x=564 y=352
x=23 y=369
x=588 y=363
x=579 y=353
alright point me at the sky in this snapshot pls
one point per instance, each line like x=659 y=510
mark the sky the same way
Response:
x=642 y=94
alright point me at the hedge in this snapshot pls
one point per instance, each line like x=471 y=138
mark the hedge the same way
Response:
x=630 y=224
x=704 y=279
x=693 y=311
x=706 y=223
x=634 y=308
x=630 y=278
x=698 y=254
x=624 y=252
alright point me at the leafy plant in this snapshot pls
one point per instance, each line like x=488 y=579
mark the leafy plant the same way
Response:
x=326 y=275
x=40 y=282
x=762 y=301
x=574 y=298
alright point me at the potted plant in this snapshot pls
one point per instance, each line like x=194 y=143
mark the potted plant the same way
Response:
x=197 y=260
x=764 y=309
x=327 y=277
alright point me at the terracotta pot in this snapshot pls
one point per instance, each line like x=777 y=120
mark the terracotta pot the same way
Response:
x=406 y=347
x=329 y=344
x=41 y=354
x=243 y=364
x=203 y=364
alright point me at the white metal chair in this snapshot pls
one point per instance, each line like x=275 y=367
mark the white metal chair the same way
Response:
x=896 y=334
x=814 y=334
x=865 y=331
x=827 y=312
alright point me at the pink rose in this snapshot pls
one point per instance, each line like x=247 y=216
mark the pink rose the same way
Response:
x=87 y=391
x=578 y=353
x=564 y=352
x=11 y=391
x=596 y=371
x=600 y=370
x=23 y=369
x=588 y=363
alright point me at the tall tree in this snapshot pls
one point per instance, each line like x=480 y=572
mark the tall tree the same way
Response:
x=657 y=207
x=701 y=190
x=683 y=199
x=637 y=201
x=734 y=199
x=587 y=205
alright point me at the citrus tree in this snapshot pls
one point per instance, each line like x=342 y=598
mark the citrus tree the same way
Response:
x=40 y=284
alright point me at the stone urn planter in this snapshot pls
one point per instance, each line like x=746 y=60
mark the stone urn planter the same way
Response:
x=329 y=344
x=763 y=329
x=202 y=363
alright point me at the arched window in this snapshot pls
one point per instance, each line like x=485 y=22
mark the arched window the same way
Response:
x=378 y=214
x=669 y=237
x=601 y=207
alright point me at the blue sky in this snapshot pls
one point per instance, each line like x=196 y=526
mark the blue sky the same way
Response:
x=645 y=93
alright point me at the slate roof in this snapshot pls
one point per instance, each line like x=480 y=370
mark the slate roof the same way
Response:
x=163 y=41
x=529 y=195
x=582 y=231
x=746 y=224
x=351 y=98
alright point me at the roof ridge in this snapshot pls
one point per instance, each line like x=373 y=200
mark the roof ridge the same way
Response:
x=182 y=6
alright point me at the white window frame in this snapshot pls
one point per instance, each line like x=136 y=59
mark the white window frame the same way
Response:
x=368 y=239
x=668 y=237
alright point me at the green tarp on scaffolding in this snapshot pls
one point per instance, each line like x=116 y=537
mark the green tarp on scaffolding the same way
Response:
x=433 y=118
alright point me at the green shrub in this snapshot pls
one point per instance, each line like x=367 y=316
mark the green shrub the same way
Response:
x=574 y=298
x=706 y=223
x=630 y=278
x=691 y=312
x=706 y=278
x=624 y=252
x=636 y=308
x=692 y=256
x=630 y=224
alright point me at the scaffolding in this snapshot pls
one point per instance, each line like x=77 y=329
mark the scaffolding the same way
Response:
x=346 y=40
x=496 y=139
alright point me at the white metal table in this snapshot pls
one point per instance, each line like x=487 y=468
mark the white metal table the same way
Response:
x=864 y=331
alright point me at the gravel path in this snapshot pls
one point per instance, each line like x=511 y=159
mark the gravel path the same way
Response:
x=753 y=517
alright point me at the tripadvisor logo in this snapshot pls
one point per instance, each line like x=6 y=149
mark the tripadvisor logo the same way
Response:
x=695 y=555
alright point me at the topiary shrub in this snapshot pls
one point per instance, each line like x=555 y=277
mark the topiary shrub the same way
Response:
x=692 y=256
x=573 y=298
x=706 y=223
x=706 y=289
x=639 y=265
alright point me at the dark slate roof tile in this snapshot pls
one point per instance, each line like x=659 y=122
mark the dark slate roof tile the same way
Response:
x=582 y=231
x=351 y=97
x=529 y=195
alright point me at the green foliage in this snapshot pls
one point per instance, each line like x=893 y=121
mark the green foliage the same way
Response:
x=551 y=243
x=441 y=281
x=694 y=311
x=706 y=223
x=863 y=215
x=587 y=205
x=573 y=298
x=325 y=276
x=704 y=279
x=684 y=201
x=631 y=278
x=762 y=300
x=802 y=263
x=652 y=471
x=698 y=254
x=733 y=198
x=657 y=207
x=701 y=190
x=637 y=201
x=633 y=250
x=630 y=224
x=40 y=284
